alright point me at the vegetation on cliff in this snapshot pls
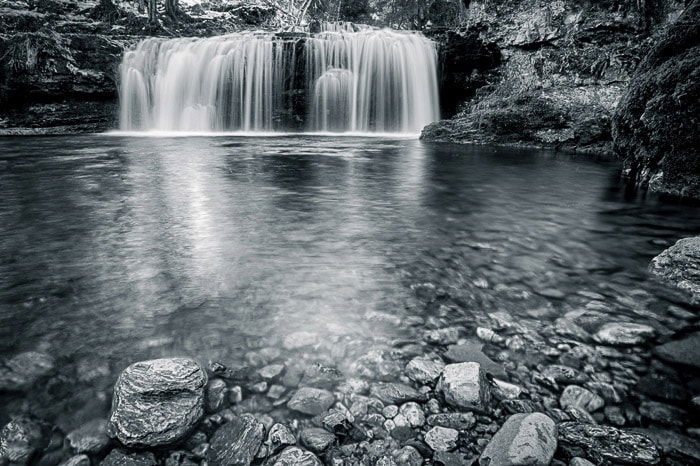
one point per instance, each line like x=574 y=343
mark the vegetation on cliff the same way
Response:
x=656 y=124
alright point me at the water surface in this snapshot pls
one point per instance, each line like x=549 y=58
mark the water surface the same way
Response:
x=114 y=249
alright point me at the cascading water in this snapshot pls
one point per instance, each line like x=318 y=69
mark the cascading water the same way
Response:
x=338 y=80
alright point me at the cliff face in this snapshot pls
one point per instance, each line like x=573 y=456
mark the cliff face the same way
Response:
x=564 y=67
x=656 y=124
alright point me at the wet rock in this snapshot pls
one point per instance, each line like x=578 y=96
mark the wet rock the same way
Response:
x=524 y=439
x=682 y=449
x=441 y=438
x=579 y=397
x=464 y=385
x=23 y=370
x=472 y=352
x=21 y=439
x=662 y=413
x=118 y=457
x=316 y=439
x=677 y=351
x=578 y=461
x=394 y=393
x=77 y=460
x=459 y=421
x=679 y=266
x=299 y=340
x=157 y=402
x=321 y=376
x=443 y=336
x=424 y=370
x=624 y=334
x=90 y=438
x=413 y=414
x=563 y=374
x=409 y=456
x=216 y=395
x=339 y=423
x=506 y=391
x=614 y=415
x=278 y=438
x=183 y=458
x=309 y=400
x=605 y=443
x=237 y=442
x=294 y=456
x=271 y=371
x=605 y=391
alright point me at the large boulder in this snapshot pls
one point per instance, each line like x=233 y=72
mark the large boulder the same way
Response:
x=679 y=267
x=606 y=444
x=524 y=439
x=237 y=442
x=464 y=385
x=655 y=127
x=157 y=402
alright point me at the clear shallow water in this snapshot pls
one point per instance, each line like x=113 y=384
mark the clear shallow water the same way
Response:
x=115 y=249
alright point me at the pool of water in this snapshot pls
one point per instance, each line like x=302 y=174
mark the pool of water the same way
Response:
x=115 y=249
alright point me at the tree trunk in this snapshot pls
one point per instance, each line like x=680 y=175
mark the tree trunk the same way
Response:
x=171 y=8
x=152 y=12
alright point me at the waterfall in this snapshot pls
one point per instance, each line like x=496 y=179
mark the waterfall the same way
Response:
x=343 y=79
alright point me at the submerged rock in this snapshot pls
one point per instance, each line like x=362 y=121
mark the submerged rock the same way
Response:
x=424 y=370
x=394 y=393
x=678 y=351
x=157 y=402
x=624 y=333
x=237 y=442
x=309 y=400
x=21 y=439
x=579 y=397
x=24 y=370
x=472 y=352
x=524 y=439
x=464 y=385
x=606 y=443
x=90 y=438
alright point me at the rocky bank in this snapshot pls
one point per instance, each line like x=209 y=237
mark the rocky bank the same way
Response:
x=562 y=70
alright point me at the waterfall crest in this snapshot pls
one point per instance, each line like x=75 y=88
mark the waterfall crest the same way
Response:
x=339 y=80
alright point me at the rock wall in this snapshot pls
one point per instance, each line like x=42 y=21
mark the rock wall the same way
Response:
x=656 y=124
x=564 y=67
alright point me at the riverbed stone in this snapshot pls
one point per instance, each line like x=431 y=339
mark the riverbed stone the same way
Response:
x=679 y=266
x=21 y=439
x=600 y=443
x=316 y=439
x=680 y=448
x=279 y=437
x=22 y=371
x=677 y=351
x=299 y=340
x=119 y=457
x=413 y=414
x=464 y=385
x=216 y=393
x=157 y=402
x=471 y=351
x=236 y=442
x=578 y=461
x=579 y=397
x=563 y=374
x=442 y=438
x=662 y=413
x=76 y=460
x=310 y=400
x=459 y=421
x=394 y=393
x=624 y=334
x=90 y=438
x=294 y=456
x=524 y=439
x=424 y=370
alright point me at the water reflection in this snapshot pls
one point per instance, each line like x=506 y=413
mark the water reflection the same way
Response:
x=115 y=249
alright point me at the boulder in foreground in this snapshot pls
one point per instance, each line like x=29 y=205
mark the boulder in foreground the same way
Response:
x=524 y=439
x=606 y=444
x=157 y=402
